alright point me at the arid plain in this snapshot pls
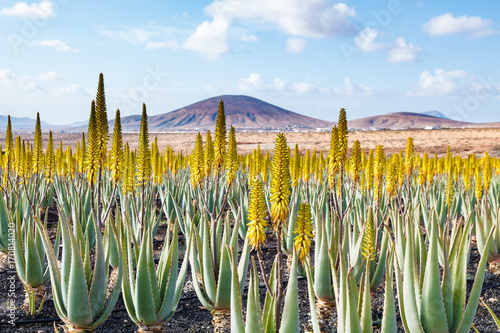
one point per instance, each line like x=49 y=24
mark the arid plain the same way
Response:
x=460 y=141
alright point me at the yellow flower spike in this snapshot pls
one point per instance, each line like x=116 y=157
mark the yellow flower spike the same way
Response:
x=143 y=153
x=196 y=165
x=280 y=182
x=355 y=164
x=209 y=154
x=101 y=121
x=303 y=230
x=466 y=179
x=401 y=169
x=70 y=162
x=92 y=155
x=378 y=171
x=117 y=149
x=81 y=154
x=306 y=169
x=37 y=147
x=265 y=168
x=343 y=134
x=369 y=170
x=392 y=177
x=409 y=157
x=449 y=193
x=486 y=172
x=478 y=188
x=129 y=163
x=220 y=139
x=17 y=155
x=9 y=147
x=368 y=242
x=232 y=163
x=333 y=166
x=50 y=161
x=257 y=212
x=295 y=166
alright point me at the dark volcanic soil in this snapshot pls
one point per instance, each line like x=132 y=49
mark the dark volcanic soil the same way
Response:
x=191 y=317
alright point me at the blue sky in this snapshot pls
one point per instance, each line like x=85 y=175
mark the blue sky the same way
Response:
x=312 y=57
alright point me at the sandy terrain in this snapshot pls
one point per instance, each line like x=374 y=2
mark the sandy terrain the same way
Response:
x=463 y=141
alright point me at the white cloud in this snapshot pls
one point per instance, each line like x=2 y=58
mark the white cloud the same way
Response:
x=133 y=36
x=6 y=75
x=31 y=86
x=49 y=76
x=152 y=37
x=304 y=87
x=209 y=38
x=352 y=89
x=398 y=51
x=279 y=85
x=249 y=38
x=317 y=18
x=365 y=41
x=72 y=90
x=441 y=82
x=57 y=44
x=255 y=82
x=43 y=9
x=171 y=45
x=447 y=24
x=295 y=45
x=403 y=52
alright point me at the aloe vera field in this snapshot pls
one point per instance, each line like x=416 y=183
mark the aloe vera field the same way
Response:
x=121 y=235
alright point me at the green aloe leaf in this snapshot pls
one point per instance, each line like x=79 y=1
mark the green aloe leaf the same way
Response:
x=290 y=316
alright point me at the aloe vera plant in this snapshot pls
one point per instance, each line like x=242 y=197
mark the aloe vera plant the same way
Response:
x=427 y=302
x=152 y=294
x=79 y=291
x=213 y=284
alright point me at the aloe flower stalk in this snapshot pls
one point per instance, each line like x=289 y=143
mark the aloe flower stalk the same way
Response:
x=232 y=158
x=117 y=150
x=257 y=212
x=280 y=190
x=208 y=154
x=50 y=162
x=303 y=230
x=92 y=155
x=220 y=139
x=356 y=162
x=280 y=183
x=101 y=120
x=333 y=166
x=37 y=147
x=196 y=166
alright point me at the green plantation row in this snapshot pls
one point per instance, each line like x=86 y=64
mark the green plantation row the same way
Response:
x=403 y=221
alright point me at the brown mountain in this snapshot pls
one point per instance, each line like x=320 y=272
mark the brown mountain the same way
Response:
x=404 y=120
x=242 y=112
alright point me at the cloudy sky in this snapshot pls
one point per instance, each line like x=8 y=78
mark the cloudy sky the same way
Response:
x=312 y=57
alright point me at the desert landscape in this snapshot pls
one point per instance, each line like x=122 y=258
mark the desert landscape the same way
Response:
x=460 y=141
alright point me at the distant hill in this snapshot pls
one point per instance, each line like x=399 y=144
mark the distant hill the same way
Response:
x=20 y=123
x=404 y=120
x=242 y=112
x=249 y=113
x=436 y=113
